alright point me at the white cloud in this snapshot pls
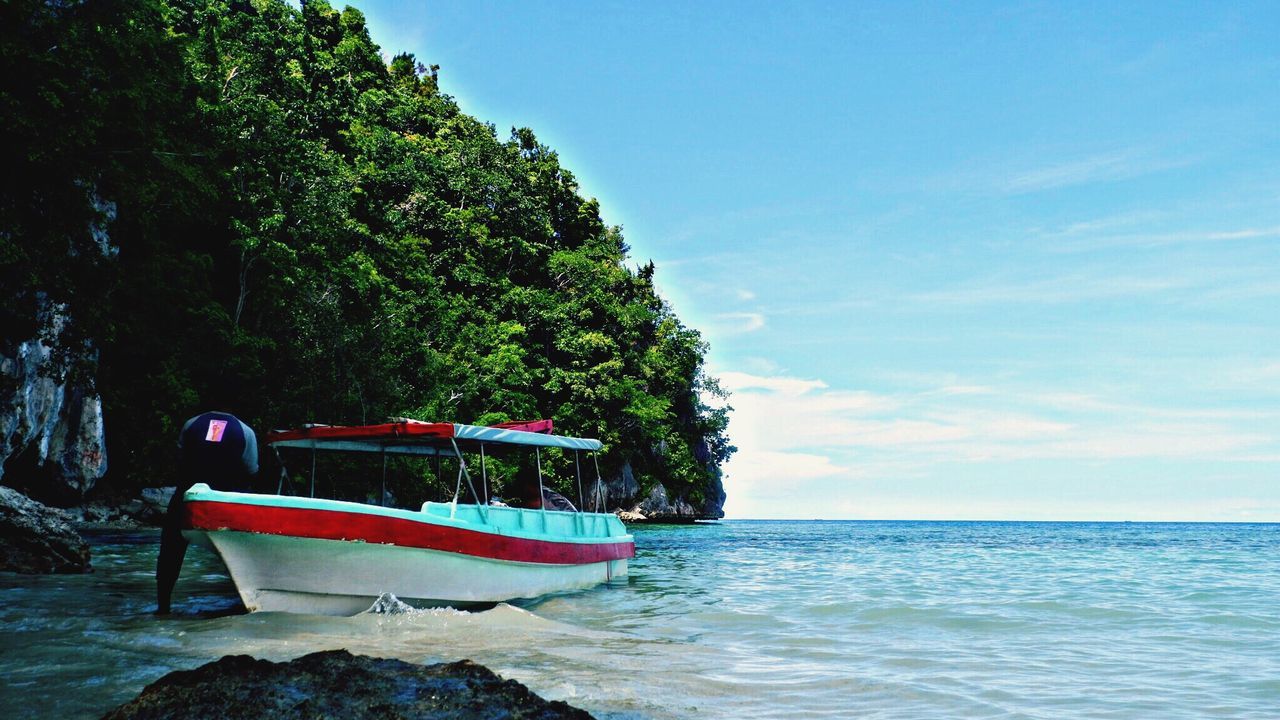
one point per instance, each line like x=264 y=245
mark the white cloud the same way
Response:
x=758 y=365
x=797 y=428
x=735 y=381
x=878 y=507
x=964 y=390
x=754 y=466
x=809 y=448
x=1265 y=372
x=737 y=323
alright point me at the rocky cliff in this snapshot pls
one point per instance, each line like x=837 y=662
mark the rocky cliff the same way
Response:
x=622 y=494
x=52 y=444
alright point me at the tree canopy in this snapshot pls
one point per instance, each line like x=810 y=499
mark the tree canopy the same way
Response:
x=298 y=232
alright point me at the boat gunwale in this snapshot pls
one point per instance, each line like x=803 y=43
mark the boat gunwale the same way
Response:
x=203 y=493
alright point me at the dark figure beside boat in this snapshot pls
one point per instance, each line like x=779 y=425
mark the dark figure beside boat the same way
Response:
x=214 y=448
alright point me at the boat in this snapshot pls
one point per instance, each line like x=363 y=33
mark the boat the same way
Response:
x=305 y=554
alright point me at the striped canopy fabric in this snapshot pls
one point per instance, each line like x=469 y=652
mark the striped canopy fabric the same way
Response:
x=414 y=437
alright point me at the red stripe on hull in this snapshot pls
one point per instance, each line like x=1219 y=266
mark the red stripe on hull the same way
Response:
x=338 y=525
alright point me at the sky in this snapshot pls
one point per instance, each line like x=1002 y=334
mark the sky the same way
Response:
x=953 y=261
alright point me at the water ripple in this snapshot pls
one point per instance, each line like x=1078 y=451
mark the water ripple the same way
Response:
x=749 y=619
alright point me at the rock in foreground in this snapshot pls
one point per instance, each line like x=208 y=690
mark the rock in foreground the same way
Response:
x=38 y=539
x=337 y=684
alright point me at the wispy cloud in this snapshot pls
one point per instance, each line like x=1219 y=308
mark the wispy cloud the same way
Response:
x=1027 y=172
x=739 y=381
x=880 y=507
x=1077 y=240
x=737 y=323
x=1099 y=167
x=1063 y=289
x=1103 y=167
x=777 y=420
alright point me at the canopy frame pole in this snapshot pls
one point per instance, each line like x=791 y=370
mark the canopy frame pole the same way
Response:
x=595 y=458
x=382 y=499
x=313 y=469
x=484 y=476
x=462 y=472
x=457 y=490
x=542 y=499
x=284 y=472
x=577 y=470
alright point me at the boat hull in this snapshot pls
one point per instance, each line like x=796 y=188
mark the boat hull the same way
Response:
x=330 y=557
x=280 y=573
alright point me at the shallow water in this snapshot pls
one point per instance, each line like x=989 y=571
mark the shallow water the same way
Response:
x=748 y=619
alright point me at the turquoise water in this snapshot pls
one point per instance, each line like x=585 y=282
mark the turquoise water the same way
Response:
x=751 y=619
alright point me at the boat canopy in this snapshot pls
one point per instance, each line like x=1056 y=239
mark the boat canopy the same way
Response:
x=414 y=437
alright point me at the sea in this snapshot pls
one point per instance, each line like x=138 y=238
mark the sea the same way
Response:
x=746 y=619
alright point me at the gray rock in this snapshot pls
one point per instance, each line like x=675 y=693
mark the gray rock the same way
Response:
x=337 y=684
x=623 y=488
x=98 y=513
x=621 y=495
x=37 y=539
x=658 y=508
x=713 y=505
x=656 y=503
x=52 y=425
x=617 y=491
x=153 y=504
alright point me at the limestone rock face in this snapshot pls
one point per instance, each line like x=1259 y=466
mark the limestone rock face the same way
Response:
x=713 y=506
x=624 y=487
x=51 y=435
x=621 y=493
x=615 y=492
x=37 y=539
x=657 y=507
x=337 y=684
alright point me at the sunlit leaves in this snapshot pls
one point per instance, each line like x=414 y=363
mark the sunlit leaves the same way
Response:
x=350 y=246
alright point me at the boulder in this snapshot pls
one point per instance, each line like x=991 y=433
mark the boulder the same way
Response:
x=108 y=515
x=148 y=508
x=337 y=684
x=153 y=504
x=37 y=539
x=627 y=516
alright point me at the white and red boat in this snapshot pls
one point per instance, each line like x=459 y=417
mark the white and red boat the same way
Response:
x=314 y=555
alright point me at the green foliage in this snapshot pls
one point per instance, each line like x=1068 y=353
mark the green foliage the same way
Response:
x=308 y=235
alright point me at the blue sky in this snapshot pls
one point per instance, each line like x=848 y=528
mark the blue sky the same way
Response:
x=969 y=261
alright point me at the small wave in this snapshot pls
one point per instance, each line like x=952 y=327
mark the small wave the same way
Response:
x=389 y=604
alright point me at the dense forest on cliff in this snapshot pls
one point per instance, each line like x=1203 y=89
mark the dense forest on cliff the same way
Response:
x=244 y=205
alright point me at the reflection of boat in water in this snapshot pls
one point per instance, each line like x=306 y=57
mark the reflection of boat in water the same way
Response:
x=312 y=555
